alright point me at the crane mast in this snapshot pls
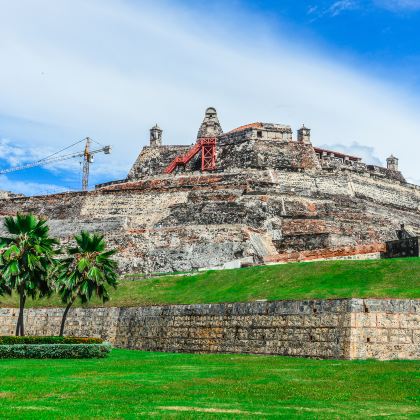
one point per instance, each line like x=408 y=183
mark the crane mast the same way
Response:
x=87 y=160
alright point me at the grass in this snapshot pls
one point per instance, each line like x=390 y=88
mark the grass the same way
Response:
x=133 y=384
x=396 y=278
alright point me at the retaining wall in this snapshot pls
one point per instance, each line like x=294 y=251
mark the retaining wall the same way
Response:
x=342 y=329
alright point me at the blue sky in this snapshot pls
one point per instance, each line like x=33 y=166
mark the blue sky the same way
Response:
x=110 y=69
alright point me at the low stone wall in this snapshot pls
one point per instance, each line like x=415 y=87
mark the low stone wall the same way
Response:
x=341 y=329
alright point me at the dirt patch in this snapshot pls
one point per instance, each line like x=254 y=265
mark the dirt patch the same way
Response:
x=207 y=410
x=6 y=395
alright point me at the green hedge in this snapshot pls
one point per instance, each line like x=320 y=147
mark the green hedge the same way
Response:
x=54 y=351
x=11 y=339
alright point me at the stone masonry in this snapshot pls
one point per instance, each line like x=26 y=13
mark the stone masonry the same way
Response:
x=340 y=329
x=8 y=194
x=271 y=199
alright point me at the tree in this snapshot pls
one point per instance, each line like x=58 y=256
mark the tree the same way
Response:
x=26 y=260
x=86 y=271
x=4 y=290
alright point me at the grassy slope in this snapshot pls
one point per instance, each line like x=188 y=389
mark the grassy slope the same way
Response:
x=399 y=278
x=132 y=384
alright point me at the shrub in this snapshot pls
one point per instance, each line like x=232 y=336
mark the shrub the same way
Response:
x=11 y=340
x=54 y=351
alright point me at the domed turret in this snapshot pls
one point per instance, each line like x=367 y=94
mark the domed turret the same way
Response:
x=304 y=135
x=210 y=127
x=156 y=136
x=392 y=163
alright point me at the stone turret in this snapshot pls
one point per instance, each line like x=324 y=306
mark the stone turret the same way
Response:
x=155 y=136
x=304 y=135
x=210 y=127
x=392 y=163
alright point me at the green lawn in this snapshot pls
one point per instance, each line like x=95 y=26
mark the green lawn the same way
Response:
x=132 y=384
x=398 y=278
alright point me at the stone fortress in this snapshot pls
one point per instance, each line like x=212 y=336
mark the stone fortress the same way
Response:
x=252 y=195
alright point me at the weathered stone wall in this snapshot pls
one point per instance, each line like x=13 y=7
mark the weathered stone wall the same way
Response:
x=97 y=322
x=257 y=146
x=385 y=329
x=284 y=328
x=154 y=160
x=266 y=154
x=8 y=194
x=342 y=329
x=188 y=222
x=239 y=154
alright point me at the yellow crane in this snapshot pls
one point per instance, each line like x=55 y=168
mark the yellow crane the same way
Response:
x=87 y=154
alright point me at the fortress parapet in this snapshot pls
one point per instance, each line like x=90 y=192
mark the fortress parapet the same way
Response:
x=259 y=131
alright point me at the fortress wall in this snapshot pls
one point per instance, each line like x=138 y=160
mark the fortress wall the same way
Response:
x=154 y=160
x=240 y=154
x=183 y=248
x=387 y=193
x=178 y=223
x=266 y=154
x=89 y=322
x=284 y=327
x=340 y=329
x=385 y=329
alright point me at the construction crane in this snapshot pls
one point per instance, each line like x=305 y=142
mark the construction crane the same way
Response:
x=87 y=155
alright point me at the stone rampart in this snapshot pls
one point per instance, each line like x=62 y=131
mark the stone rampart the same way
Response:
x=195 y=221
x=341 y=329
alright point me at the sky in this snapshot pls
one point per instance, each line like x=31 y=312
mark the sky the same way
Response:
x=111 y=69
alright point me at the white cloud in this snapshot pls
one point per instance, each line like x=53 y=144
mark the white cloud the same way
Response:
x=15 y=154
x=334 y=9
x=355 y=149
x=29 y=188
x=111 y=69
x=340 y=6
x=398 y=5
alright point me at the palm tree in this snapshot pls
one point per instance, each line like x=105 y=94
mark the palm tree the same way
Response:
x=4 y=290
x=26 y=260
x=86 y=271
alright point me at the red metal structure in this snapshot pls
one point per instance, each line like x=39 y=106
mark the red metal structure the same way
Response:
x=207 y=147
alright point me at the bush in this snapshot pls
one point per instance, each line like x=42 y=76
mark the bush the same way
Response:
x=54 y=351
x=11 y=339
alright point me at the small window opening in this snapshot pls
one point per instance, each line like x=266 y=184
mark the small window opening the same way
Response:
x=368 y=340
x=315 y=310
x=259 y=134
x=366 y=309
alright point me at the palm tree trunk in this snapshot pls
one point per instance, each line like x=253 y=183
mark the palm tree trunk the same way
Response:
x=19 y=325
x=63 y=321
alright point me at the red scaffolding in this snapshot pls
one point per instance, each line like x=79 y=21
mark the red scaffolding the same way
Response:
x=207 y=147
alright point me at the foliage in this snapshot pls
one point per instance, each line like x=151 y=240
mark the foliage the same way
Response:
x=26 y=259
x=11 y=339
x=54 y=351
x=87 y=271
x=132 y=384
